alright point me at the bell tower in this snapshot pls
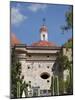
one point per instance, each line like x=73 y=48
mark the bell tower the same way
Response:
x=44 y=32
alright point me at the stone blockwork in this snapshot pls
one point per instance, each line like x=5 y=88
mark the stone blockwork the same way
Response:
x=37 y=64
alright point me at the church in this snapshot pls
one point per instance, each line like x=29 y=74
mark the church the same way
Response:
x=37 y=62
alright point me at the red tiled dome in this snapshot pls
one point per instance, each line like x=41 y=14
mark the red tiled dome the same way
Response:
x=14 y=39
x=43 y=43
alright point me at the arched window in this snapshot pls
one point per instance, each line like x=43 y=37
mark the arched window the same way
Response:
x=43 y=36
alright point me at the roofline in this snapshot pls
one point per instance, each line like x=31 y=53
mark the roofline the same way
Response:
x=39 y=47
x=36 y=47
x=43 y=47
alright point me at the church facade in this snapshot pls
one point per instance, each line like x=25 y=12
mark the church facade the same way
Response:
x=37 y=62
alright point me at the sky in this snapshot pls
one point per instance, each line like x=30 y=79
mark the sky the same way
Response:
x=27 y=18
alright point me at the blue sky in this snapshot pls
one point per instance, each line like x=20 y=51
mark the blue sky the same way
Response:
x=27 y=18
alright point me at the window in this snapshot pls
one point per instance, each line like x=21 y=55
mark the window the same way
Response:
x=43 y=36
x=47 y=66
x=22 y=77
x=47 y=81
x=29 y=55
x=48 y=56
x=43 y=91
x=29 y=81
x=45 y=75
x=28 y=67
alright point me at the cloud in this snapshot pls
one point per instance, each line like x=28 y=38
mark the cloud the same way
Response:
x=36 y=7
x=16 y=16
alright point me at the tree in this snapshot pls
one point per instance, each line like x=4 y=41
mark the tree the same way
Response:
x=69 y=44
x=61 y=61
x=63 y=64
x=15 y=73
x=68 y=19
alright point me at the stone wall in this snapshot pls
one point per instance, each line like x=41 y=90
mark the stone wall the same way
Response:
x=36 y=63
x=33 y=70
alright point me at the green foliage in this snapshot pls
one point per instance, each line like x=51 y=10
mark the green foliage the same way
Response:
x=55 y=86
x=61 y=85
x=64 y=63
x=68 y=20
x=69 y=44
x=52 y=86
x=67 y=82
x=15 y=74
x=70 y=85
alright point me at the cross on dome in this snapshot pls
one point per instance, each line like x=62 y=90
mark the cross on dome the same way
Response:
x=44 y=21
